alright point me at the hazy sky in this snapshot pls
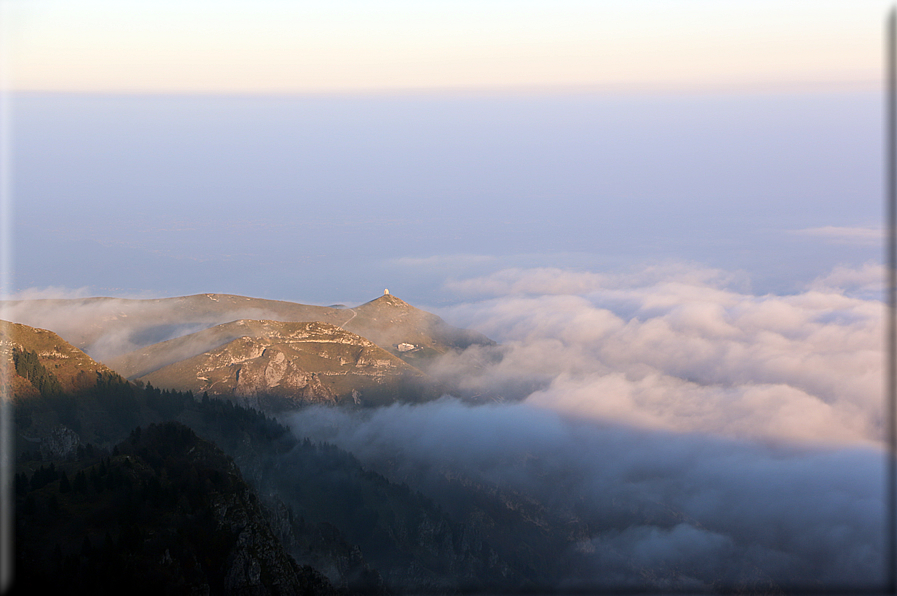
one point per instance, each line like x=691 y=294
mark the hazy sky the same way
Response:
x=318 y=154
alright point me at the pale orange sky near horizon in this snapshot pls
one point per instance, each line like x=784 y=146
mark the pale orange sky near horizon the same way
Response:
x=278 y=47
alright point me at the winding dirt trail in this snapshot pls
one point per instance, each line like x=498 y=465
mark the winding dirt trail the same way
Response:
x=354 y=314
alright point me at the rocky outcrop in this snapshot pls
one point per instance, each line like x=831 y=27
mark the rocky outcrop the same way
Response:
x=256 y=551
x=323 y=548
x=255 y=362
x=62 y=443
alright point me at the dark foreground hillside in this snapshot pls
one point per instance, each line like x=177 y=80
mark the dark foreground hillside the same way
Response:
x=115 y=491
x=121 y=485
x=165 y=513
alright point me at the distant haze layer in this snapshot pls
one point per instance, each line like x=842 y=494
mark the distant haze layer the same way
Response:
x=330 y=199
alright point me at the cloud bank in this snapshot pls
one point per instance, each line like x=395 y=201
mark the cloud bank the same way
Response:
x=649 y=508
x=704 y=436
x=864 y=236
x=681 y=349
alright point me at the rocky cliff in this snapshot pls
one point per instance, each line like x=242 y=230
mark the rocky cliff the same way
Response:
x=263 y=363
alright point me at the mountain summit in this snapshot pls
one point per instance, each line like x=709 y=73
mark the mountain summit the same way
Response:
x=390 y=322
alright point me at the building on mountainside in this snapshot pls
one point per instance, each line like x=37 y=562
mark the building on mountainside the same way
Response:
x=405 y=347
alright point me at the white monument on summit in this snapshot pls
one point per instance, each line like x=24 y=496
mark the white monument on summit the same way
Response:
x=386 y=292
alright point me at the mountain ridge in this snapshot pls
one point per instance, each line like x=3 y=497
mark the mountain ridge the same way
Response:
x=72 y=368
x=107 y=327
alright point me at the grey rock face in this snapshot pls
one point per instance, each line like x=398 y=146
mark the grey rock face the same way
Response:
x=62 y=443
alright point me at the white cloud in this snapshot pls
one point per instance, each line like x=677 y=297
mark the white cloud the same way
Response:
x=683 y=352
x=530 y=281
x=867 y=280
x=555 y=281
x=864 y=236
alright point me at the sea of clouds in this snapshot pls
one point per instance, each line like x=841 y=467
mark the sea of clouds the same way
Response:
x=690 y=349
x=753 y=421
x=705 y=435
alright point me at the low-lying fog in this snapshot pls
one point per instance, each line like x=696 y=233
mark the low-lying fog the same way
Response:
x=755 y=421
